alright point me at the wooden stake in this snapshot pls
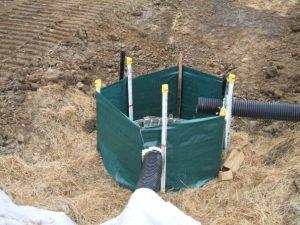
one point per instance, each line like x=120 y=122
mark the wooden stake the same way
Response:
x=179 y=85
x=122 y=65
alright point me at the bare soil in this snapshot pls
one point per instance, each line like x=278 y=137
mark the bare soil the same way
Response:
x=52 y=51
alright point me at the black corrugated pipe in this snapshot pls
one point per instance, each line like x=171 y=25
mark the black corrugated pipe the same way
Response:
x=151 y=171
x=252 y=109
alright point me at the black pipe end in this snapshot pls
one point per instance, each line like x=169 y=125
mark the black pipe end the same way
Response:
x=151 y=171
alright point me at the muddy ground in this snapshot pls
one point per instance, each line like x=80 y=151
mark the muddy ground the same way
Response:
x=52 y=51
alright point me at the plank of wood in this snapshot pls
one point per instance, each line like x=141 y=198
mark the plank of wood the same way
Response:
x=226 y=175
x=179 y=85
x=234 y=160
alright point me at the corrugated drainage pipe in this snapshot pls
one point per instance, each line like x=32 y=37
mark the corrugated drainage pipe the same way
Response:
x=252 y=109
x=151 y=171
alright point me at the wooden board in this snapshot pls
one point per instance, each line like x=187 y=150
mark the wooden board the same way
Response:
x=234 y=160
x=226 y=175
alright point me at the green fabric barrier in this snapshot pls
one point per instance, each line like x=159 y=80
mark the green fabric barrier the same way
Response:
x=194 y=145
x=197 y=84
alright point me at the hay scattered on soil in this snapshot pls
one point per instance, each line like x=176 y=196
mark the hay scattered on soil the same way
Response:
x=60 y=169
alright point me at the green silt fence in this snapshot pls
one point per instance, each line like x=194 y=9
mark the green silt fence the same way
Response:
x=194 y=145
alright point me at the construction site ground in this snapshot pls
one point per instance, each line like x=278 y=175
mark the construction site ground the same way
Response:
x=52 y=51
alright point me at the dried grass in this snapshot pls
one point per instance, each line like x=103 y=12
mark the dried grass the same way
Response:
x=60 y=169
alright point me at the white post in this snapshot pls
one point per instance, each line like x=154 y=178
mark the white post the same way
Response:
x=164 y=129
x=98 y=84
x=129 y=74
x=228 y=117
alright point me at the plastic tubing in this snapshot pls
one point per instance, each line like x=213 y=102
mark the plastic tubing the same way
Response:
x=252 y=109
x=151 y=171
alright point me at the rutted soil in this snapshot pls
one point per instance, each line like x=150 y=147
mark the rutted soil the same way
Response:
x=52 y=51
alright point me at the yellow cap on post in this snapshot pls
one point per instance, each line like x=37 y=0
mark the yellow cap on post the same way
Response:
x=164 y=88
x=231 y=78
x=222 y=111
x=98 y=83
x=128 y=60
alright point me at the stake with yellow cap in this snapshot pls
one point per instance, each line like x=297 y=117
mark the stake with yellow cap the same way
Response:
x=226 y=110
x=164 y=129
x=129 y=74
x=98 y=85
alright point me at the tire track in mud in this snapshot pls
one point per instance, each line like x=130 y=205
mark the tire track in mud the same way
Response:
x=32 y=27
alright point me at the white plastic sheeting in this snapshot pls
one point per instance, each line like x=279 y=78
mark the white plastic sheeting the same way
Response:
x=145 y=207
x=12 y=214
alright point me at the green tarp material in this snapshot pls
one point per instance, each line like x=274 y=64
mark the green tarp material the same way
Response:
x=194 y=145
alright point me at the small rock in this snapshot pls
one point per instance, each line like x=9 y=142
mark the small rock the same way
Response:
x=297 y=184
x=136 y=13
x=274 y=94
x=3 y=143
x=20 y=98
x=85 y=66
x=157 y=2
x=231 y=67
x=252 y=125
x=279 y=66
x=68 y=114
x=296 y=221
x=245 y=59
x=86 y=89
x=140 y=52
x=278 y=93
x=136 y=48
x=295 y=28
x=295 y=55
x=79 y=85
x=113 y=37
x=90 y=125
x=142 y=34
x=271 y=72
x=213 y=64
x=34 y=86
x=296 y=208
x=20 y=138
x=52 y=75
x=223 y=67
x=109 y=65
x=33 y=78
x=3 y=80
x=279 y=151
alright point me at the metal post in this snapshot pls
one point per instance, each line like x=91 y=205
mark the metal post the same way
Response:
x=122 y=65
x=164 y=129
x=228 y=116
x=129 y=72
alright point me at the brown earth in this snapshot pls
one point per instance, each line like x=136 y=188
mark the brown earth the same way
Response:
x=52 y=51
